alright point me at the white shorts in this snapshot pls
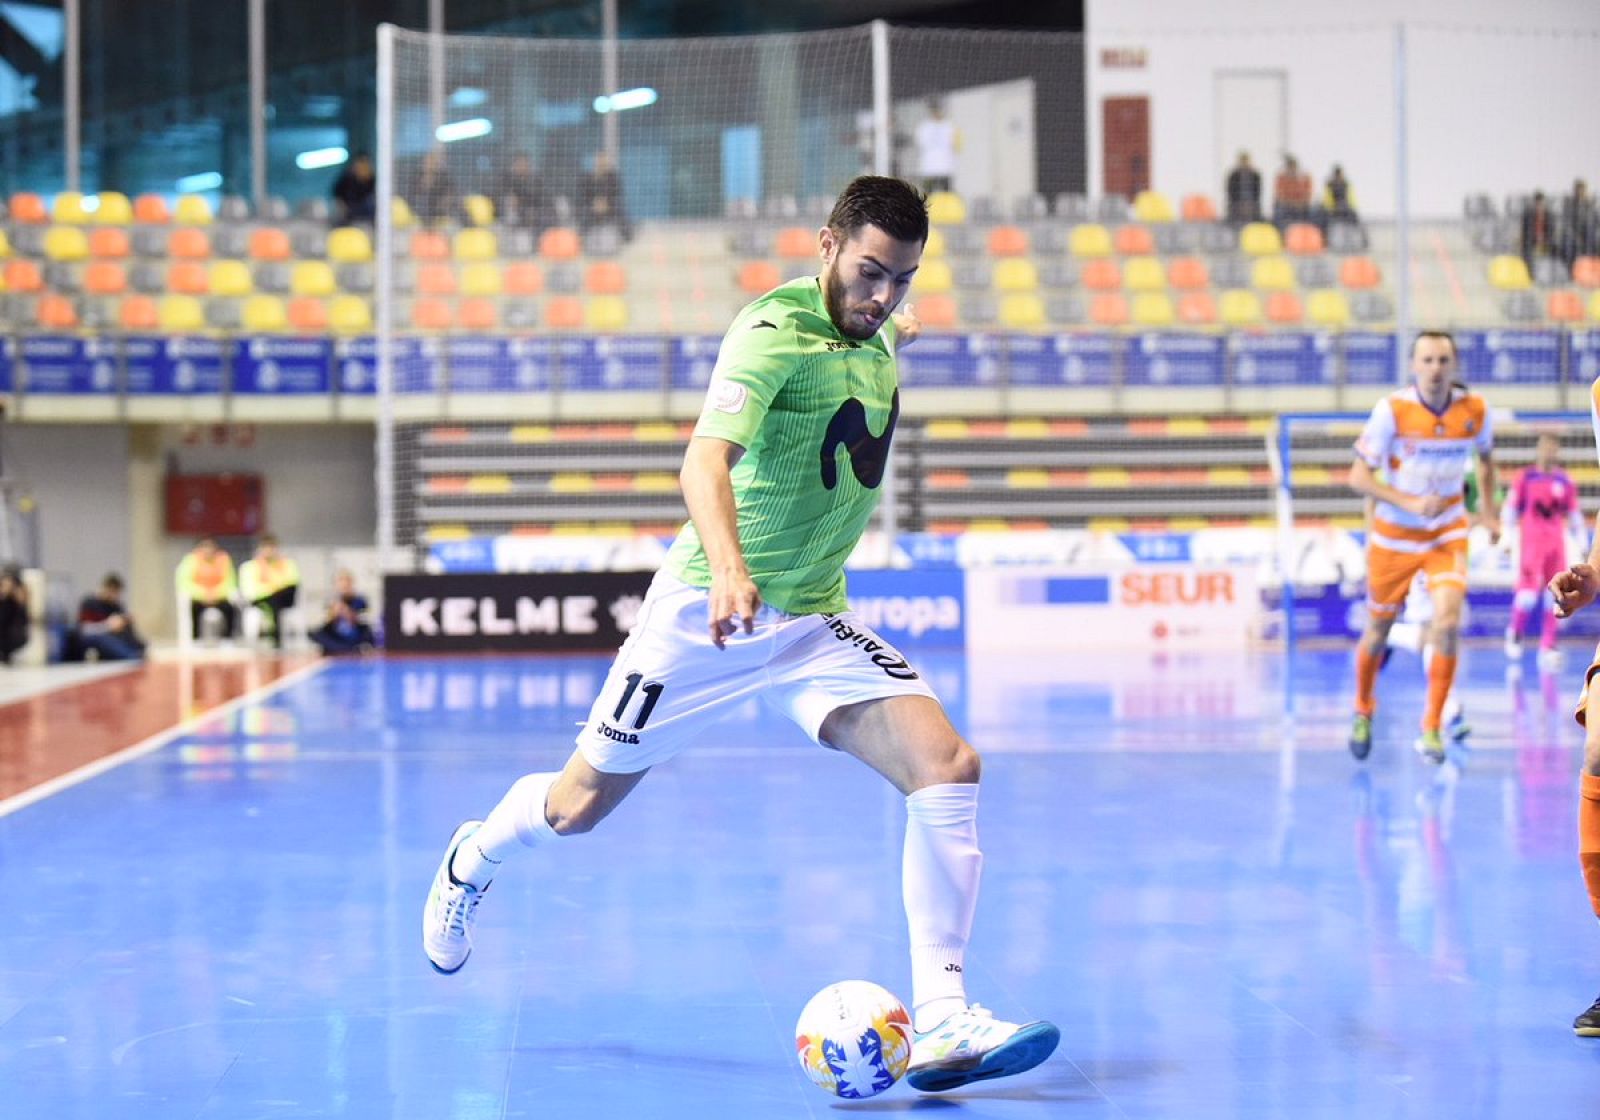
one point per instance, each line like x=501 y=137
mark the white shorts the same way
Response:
x=669 y=683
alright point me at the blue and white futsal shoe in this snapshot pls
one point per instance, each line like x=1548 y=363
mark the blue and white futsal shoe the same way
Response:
x=973 y=1045
x=451 y=908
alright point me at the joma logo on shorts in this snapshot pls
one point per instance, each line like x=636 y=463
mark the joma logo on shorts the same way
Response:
x=620 y=736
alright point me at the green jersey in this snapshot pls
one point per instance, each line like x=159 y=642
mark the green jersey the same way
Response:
x=815 y=412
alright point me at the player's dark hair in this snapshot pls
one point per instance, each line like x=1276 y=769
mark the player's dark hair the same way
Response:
x=1445 y=335
x=112 y=581
x=893 y=205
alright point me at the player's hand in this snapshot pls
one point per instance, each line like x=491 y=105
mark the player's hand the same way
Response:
x=1492 y=524
x=1430 y=505
x=906 y=327
x=733 y=603
x=1574 y=589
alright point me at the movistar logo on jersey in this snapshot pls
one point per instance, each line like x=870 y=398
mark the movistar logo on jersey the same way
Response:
x=869 y=454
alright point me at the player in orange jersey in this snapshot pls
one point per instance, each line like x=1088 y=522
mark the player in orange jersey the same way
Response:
x=1421 y=437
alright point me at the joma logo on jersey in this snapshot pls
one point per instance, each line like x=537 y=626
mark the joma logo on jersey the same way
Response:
x=869 y=454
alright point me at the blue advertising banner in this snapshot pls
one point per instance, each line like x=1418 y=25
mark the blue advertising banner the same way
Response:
x=282 y=366
x=944 y=361
x=67 y=365
x=1088 y=360
x=1282 y=359
x=1510 y=357
x=500 y=365
x=693 y=358
x=1369 y=358
x=626 y=363
x=8 y=364
x=1159 y=548
x=1585 y=357
x=1158 y=360
x=930 y=550
x=416 y=365
x=910 y=609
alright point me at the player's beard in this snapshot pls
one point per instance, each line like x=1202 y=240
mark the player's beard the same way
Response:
x=833 y=297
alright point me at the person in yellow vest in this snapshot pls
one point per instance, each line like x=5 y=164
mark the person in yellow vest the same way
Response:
x=270 y=582
x=206 y=579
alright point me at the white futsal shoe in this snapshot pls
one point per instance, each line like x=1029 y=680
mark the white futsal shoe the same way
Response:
x=972 y=1045
x=450 y=911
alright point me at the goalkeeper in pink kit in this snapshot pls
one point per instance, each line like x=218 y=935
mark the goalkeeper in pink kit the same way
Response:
x=1544 y=505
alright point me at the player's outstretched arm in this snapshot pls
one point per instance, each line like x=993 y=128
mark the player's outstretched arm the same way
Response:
x=1488 y=496
x=708 y=492
x=1577 y=587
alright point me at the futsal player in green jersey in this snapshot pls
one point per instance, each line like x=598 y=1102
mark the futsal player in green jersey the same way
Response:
x=781 y=477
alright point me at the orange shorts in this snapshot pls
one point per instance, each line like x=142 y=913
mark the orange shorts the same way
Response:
x=1389 y=573
x=1583 y=697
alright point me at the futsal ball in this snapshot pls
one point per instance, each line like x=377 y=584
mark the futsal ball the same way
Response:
x=854 y=1039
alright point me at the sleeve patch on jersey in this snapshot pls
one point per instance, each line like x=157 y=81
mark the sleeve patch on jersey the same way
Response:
x=729 y=397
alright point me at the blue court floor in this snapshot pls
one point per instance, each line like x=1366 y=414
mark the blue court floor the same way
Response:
x=1226 y=915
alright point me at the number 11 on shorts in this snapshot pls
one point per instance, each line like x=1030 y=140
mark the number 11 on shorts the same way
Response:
x=651 y=692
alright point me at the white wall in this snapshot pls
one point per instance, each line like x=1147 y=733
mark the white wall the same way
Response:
x=78 y=476
x=1501 y=99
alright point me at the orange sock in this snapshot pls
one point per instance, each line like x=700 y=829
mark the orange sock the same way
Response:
x=1441 y=675
x=1367 y=666
x=1589 y=837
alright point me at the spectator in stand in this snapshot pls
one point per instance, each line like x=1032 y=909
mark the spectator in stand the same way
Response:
x=1338 y=201
x=105 y=626
x=1538 y=229
x=206 y=581
x=355 y=192
x=15 y=624
x=600 y=202
x=434 y=197
x=1291 y=194
x=1579 y=236
x=522 y=199
x=346 y=630
x=1244 y=192
x=937 y=145
x=270 y=582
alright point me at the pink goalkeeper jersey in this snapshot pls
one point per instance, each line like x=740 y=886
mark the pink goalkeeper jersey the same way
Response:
x=1544 y=502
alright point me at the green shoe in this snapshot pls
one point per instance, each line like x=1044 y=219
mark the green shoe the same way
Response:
x=1430 y=745
x=1361 y=736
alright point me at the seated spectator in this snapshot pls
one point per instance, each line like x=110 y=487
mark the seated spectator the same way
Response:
x=206 y=581
x=434 y=198
x=1243 y=192
x=104 y=627
x=355 y=192
x=600 y=200
x=346 y=630
x=1338 y=201
x=1538 y=230
x=270 y=582
x=1579 y=226
x=522 y=200
x=15 y=623
x=1291 y=194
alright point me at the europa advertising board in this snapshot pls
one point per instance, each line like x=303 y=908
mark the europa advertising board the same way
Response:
x=532 y=612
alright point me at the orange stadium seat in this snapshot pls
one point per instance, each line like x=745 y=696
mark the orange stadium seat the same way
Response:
x=759 y=277
x=1188 y=274
x=308 y=314
x=1102 y=275
x=138 y=313
x=429 y=314
x=479 y=314
x=1359 y=273
x=56 y=313
x=1303 y=239
x=1564 y=307
x=1285 y=307
x=1008 y=241
x=109 y=243
x=1199 y=208
x=1134 y=240
x=937 y=311
x=105 y=278
x=797 y=243
x=270 y=244
x=1586 y=272
x=436 y=279
x=523 y=278
x=23 y=276
x=1197 y=309
x=1109 y=309
x=559 y=244
x=430 y=245
x=605 y=278
x=151 y=210
x=188 y=278
x=564 y=313
x=27 y=208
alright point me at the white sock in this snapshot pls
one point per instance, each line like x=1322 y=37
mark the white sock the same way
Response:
x=517 y=822
x=939 y=880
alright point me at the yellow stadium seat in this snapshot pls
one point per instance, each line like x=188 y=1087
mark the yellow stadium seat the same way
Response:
x=1022 y=310
x=401 y=214
x=193 y=210
x=935 y=246
x=1240 y=308
x=476 y=245
x=1152 y=206
x=934 y=277
x=946 y=209
x=1015 y=274
x=1328 y=308
x=1022 y=478
x=1594 y=307
x=68 y=209
x=1259 y=239
x=265 y=313
x=180 y=313
x=480 y=278
x=66 y=243
x=1090 y=241
x=231 y=278
x=1509 y=274
x=313 y=278
x=349 y=245
x=1153 y=309
x=114 y=209
x=606 y=313
x=350 y=315
x=5 y=245
x=1272 y=274
x=1144 y=274
x=480 y=210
